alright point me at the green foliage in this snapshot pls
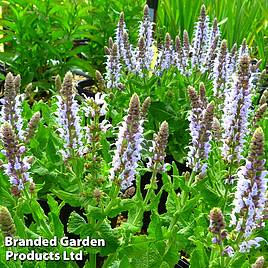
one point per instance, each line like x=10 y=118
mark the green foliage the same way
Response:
x=42 y=37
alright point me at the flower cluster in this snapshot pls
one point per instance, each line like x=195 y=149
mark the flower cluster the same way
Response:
x=11 y=110
x=201 y=39
x=213 y=45
x=201 y=119
x=249 y=202
x=217 y=225
x=68 y=119
x=158 y=149
x=166 y=56
x=220 y=71
x=120 y=30
x=94 y=108
x=236 y=111
x=146 y=32
x=17 y=167
x=113 y=67
x=128 y=146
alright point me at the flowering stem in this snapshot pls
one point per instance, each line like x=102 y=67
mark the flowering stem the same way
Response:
x=189 y=184
x=113 y=195
x=148 y=196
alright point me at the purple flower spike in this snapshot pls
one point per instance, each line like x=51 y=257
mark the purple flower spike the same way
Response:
x=232 y=62
x=17 y=167
x=243 y=48
x=236 y=113
x=113 y=68
x=186 y=49
x=128 y=146
x=217 y=224
x=121 y=28
x=214 y=38
x=201 y=39
x=128 y=53
x=11 y=110
x=146 y=32
x=158 y=148
x=201 y=119
x=250 y=196
x=165 y=56
x=69 y=119
x=220 y=70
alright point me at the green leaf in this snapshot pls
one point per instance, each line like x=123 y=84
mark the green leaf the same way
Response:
x=6 y=199
x=240 y=262
x=199 y=256
x=54 y=215
x=41 y=171
x=71 y=199
x=110 y=237
x=164 y=265
x=106 y=149
x=154 y=229
x=77 y=225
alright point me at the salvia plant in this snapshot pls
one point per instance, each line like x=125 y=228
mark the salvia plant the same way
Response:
x=163 y=166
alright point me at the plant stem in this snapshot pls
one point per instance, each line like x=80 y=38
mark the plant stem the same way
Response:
x=92 y=260
x=147 y=197
x=184 y=195
x=108 y=260
x=41 y=221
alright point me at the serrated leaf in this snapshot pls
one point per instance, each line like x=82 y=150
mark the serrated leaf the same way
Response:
x=77 y=224
x=109 y=235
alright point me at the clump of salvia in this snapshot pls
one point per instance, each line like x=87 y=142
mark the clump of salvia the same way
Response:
x=204 y=53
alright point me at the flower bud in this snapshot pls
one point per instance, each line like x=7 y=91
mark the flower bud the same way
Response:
x=7 y=225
